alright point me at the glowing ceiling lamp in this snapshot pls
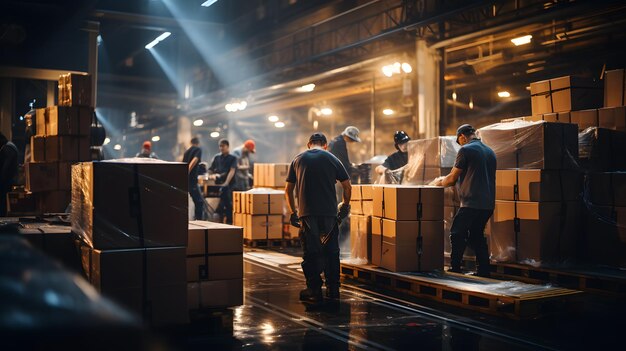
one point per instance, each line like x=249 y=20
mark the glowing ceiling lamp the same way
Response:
x=215 y=134
x=156 y=138
x=208 y=3
x=326 y=111
x=388 y=112
x=306 y=88
x=117 y=147
x=106 y=141
x=273 y=118
x=198 y=122
x=504 y=94
x=158 y=39
x=523 y=40
x=279 y=124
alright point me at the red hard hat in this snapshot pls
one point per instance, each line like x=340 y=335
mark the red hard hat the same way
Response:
x=147 y=145
x=249 y=144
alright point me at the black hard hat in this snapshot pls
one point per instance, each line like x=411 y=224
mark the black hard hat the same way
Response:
x=464 y=130
x=317 y=137
x=400 y=137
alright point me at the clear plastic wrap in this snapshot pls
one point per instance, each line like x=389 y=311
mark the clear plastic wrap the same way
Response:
x=602 y=150
x=604 y=200
x=429 y=159
x=130 y=203
x=532 y=145
x=360 y=239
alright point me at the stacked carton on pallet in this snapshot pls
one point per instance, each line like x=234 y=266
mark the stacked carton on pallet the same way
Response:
x=260 y=213
x=361 y=210
x=62 y=138
x=270 y=175
x=407 y=227
x=214 y=265
x=132 y=222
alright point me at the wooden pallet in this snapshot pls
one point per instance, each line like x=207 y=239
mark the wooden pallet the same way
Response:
x=211 y=320
x=469 y=293
x=264 y=242
x=586 y=279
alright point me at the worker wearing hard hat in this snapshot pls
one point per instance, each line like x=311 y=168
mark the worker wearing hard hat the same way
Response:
x=339 y=148
x=243 y=176
x=399 y=158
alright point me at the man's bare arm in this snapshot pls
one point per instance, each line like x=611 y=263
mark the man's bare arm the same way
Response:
x=291 y=201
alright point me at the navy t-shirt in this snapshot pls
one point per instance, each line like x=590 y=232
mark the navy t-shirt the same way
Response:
x=192 y=152
x=396 y=160
x=222 y=164
x=477 y=183
x=315 y=173
x=339 y=148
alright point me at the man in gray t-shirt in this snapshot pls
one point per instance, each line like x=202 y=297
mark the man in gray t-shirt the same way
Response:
x=475 y=170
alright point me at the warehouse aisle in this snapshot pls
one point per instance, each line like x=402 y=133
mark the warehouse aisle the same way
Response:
x=274 y=318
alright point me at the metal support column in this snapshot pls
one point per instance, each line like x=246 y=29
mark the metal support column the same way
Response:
x=93 y=28
x=373 y=115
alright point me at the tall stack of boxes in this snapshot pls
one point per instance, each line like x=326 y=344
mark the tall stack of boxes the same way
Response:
x=132 y=222
x=361 y=210
x=270 y=175
x=260 y=213
x=214 y=265
x=62 y=138
x=407 y=227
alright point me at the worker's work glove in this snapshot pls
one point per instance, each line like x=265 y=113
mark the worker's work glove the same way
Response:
x=294 y=220
x=343 y=211
x=437 y=181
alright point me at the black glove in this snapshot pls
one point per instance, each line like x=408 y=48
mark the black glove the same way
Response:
x=344 y=210
x=295 y=221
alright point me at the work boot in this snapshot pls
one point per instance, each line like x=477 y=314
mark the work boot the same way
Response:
x=311 y=295
x=332 y=293
x=455 y=270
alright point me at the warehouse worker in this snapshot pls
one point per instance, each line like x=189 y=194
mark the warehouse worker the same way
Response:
x=146 y=151
x=475 y=170
x=8 y=170
x=399 y=158
x=313 y=174
x=243 y=176
x=222 y=170
x=339 y=148
x=192 y=157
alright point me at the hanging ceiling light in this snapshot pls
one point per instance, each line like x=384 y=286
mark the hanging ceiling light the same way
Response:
x=198 y=122
x=273 y=118
x=106 y=141
x=388 y=112
x=523 y=40
x=326 y=111
x=504 y=94
x=117 y=147
x=215 y=134
x=156 y=138
x=306 y=88
x=279 y=124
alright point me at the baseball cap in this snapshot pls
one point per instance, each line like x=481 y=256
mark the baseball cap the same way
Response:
x=464 y=129
x=250 y=145
x=147 y=145
x=352 y=132
x=317 y=137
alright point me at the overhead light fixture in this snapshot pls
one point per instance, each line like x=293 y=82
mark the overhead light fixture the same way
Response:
x=406 y=68
x=316 y=124
x=198 y=122
x=388 y=112
x=326 y=111
x=523 y=40
x=156 y=138
x=454 y=95
x=158 y=39
x=236 y=105
x=215 y=134
x=471 y=103
x=208 y=3
x=504 y=94
x=388 y=71
x=106 y=141
x=279 y=124
x=117 y=147
x=273 y=118
x=306 y=88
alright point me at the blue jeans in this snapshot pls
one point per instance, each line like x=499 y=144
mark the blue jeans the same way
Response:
x=320 y=256
x=468 y=227
x=198 y=201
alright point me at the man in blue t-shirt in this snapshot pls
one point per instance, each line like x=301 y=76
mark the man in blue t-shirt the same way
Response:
x=222 y=170
x=313 y=174
x=193 y=157
x=475 y=169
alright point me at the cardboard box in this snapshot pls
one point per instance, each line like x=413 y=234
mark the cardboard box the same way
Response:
x=377 y=240
x=40 y=122
x=265 y=202
x=564 y=94
x=361 y=192
x=69 y=120
x=378 y=199
x=558 y=117
x=614 y=88
x=605 y=236
x=548 y=231
x=75 y=90
x=538 y=185
x=237 y=202
x=411 y=203
x=37 y=148
x=361 y=237
x=150 y=282
x=533 y=145
x=42 y=176
x=214 y=251
x=215 y=294
x=401 y=248
x=67 y=148
x=606 y=189
x=437 y=152
x=368 y=207
x=585 y=118
x=601 y=150
x=20 y=203
x=57 y=242
x=612 y=118
x=270 y=175
x=356 y=207
x=423 y=175
x=55 y=201
x=263 y=227
x=238 y=219
x=130 y=205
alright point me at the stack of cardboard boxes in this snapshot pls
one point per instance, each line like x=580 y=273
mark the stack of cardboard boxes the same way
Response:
x=62 y=138
x=131 y=219
x=407 y=227
x=361 y=210
x=260 y=213
x=270 y=175
x=214 y=265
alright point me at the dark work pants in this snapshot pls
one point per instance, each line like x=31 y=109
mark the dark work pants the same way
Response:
x=225 y=207
x=468 y=227
x=198 y=201
x=318 y=257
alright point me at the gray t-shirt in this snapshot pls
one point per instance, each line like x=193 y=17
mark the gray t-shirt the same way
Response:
x=477 y=183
